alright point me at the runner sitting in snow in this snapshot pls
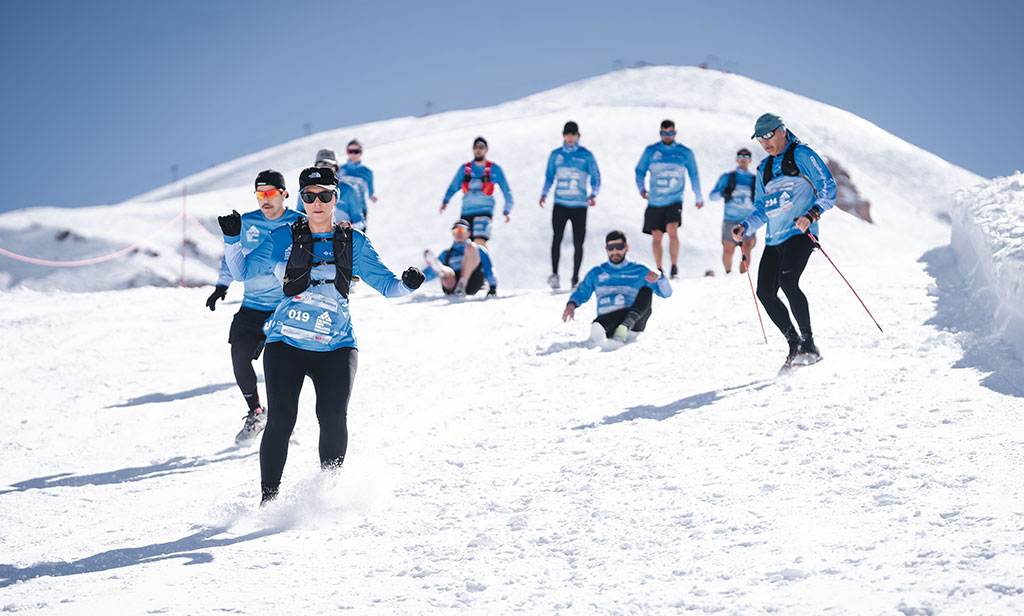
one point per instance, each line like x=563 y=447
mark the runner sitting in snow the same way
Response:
x=624 y=291
x=463 y=267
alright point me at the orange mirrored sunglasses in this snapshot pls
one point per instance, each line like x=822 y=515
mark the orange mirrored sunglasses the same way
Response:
x=268 y=194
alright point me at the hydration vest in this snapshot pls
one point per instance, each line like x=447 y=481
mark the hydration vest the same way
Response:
x=302 y=260
x=731 y=186
x=788 y=168
x=467 y=175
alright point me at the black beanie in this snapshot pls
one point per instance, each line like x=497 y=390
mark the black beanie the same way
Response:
x=480 y=140
x=571 y=128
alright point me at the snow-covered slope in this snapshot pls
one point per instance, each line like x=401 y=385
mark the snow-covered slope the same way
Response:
x=498 y=464
x=415 y=158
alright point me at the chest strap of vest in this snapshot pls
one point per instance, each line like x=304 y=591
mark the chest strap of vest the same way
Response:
x=788 y=168
x=302 y=260
x=467 y=174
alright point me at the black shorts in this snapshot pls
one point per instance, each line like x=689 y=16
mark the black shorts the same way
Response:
x=658 y=218
x=479 y=226
x=475 y=282
x=248 y=325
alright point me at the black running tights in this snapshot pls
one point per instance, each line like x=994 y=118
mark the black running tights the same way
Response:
x=780 y=268
x=559 y=217
x=332 y=372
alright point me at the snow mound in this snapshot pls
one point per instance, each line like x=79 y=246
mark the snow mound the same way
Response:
x=988 y=240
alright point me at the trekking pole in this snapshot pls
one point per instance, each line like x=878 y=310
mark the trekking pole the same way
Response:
x=751 y=281
x=815 y=240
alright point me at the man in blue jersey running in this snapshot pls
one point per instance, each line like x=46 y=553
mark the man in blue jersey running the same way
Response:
x=251 y=236
x=667 y=162
x=792 y=189
x=736 y=188
x=570 y=168
x=477 y=179
x=624 y=291
x=358 y=176
x=464 y=266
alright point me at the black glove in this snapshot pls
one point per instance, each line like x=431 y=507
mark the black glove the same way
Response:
x=218 y=293
x=493 y=291
x=413 y=277
x=231 y=224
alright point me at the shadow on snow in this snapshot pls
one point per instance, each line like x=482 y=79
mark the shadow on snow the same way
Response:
x=958 y=310
x=187 y=548
x=178 y=464
x=665 y=411
x=181 y=395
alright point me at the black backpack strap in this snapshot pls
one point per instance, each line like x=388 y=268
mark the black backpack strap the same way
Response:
x=789 y=161
x=753 y=180
x=766 y=171
x=342 y=244
x=296 y=273
x=730 y=186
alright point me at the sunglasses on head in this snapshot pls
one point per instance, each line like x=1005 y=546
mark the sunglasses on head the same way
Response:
x=270 y=193
x=354 y=151
x=668 y=133
x=767 y=136
x=615 y=246
x=325 y=196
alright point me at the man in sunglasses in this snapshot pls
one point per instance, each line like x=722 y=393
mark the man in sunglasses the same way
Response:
x=349 y=207
x=358 y=176
x=477 y=179
x=624 y=291
x=464 y=266
x=250 y=257
x=736 y=188
x=667 y=161
x=792 y=188
x=570 y=168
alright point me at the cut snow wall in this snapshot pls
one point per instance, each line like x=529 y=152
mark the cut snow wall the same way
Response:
x=988 y=240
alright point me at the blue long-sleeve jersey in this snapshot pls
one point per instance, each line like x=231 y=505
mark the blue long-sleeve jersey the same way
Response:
x=349 y=207
x=475 y=201
x=252 y=256
x=788 y=197
x=318 y=319
x=358 y=176
x=617 y=285
x=667 y=164
x=570 y=169
x=741 y=204
x=452 y=257
x=224 y=274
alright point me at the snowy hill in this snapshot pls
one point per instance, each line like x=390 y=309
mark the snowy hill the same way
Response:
x=415 y=158
x=498 y=463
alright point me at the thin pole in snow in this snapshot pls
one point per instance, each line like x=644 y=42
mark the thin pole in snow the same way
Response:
x=751 y=281
x=815 y=240
x=184 y=221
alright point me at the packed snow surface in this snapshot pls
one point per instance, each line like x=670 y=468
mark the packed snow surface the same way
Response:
x=497 y=462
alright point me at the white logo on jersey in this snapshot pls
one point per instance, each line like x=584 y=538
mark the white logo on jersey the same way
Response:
x=323 y=323
x=603 y=277
x=252 y=233
x=657 y=156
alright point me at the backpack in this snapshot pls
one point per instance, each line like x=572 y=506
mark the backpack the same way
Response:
x=731 y=186
x=302 y=260
x=788 y=167
x=467 y=175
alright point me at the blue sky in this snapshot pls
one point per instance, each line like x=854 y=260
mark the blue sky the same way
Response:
x=102 y=98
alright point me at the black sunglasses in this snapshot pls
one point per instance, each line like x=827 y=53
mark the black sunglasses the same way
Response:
x=355 y=151
x=767 y=136
x=325 y=196
x=616 y=246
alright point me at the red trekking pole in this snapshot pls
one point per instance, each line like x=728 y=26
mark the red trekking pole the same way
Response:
x=751 y=281
x=815 y=240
